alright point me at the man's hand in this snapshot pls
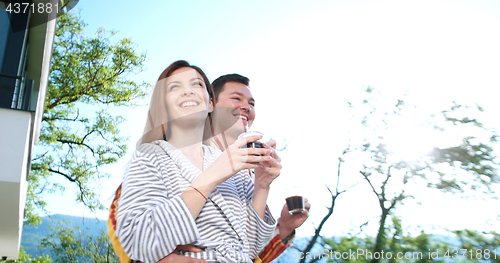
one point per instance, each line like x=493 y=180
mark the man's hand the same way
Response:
x=288 y=223
x=176 y=258
x=269 y=170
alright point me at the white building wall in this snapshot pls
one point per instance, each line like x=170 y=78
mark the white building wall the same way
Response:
x=15 y=131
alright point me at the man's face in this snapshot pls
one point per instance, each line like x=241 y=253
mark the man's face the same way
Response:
x=235 y=105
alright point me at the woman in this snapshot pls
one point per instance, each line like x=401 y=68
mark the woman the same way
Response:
x=178 y=191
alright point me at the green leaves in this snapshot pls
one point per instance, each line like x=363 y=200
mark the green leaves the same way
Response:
x=464 y=158
x=26 y=258
x=92 y=70
x=76 y=245
x=473 y=157
x=80 y=127
x=392 y=158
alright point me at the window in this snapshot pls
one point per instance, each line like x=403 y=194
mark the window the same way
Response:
x=13 y=51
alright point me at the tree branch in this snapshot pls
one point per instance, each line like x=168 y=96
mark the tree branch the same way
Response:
x=365 y=175
x=77 y=143
x=73 y=180
x=313 y=240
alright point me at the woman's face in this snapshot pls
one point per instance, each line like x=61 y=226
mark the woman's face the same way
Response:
x=186 y=96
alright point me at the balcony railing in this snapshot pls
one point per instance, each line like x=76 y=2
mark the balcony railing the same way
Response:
x=16 y=93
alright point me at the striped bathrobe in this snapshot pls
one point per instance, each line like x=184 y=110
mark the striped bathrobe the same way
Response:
x=152 y=218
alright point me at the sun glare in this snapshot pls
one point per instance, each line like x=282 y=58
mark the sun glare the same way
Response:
x=411 y=143
x=411 y=137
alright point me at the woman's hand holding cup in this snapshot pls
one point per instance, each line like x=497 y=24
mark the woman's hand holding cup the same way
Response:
x=235 y=158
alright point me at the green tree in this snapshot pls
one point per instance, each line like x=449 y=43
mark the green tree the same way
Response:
x=67 y=244
x=407 y=248
x=483 y=245
x=90 y=76
x=465 y=164
x=400 y=246
x=349 y=243
x=26 y=258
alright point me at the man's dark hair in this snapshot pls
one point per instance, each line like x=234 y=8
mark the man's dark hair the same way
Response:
x=219 y=83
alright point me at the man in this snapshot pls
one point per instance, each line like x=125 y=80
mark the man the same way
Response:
x=234 y=111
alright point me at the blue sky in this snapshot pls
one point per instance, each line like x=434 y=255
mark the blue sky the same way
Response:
x=304 y=60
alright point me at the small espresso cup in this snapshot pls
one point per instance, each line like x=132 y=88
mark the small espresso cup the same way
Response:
x=295 y=201
x=255 y=144
x=295 y=204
